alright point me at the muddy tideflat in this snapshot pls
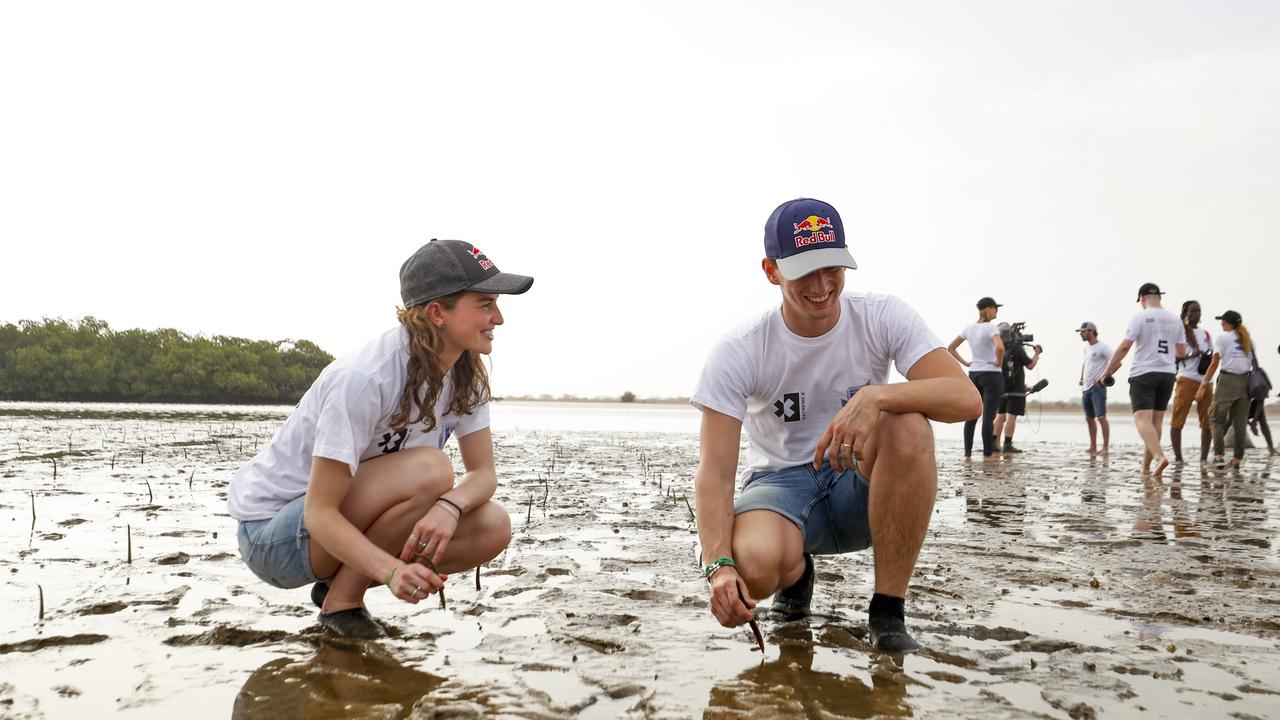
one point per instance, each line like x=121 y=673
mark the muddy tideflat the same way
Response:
x=1051 y=585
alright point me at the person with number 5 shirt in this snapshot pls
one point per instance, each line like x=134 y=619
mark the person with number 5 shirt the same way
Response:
x=1157 y=338
x=355 y=490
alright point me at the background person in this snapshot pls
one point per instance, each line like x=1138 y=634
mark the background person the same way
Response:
x=355 y=488
x=987 y=349
x=1094 y=394
x=1190 y=375
x=1157 y=338
x=835 y=456
x=1233 y=360
x=1013 y=404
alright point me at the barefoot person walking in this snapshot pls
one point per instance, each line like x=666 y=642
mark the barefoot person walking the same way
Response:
x=1158 y=341
x=836 y=458
x=355 y=489
x=1094 y=396
x=1190 y=378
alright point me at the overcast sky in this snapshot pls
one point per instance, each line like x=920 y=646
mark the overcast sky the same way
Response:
x=261 y=169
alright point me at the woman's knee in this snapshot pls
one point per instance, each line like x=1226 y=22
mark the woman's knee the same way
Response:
x=432 y=472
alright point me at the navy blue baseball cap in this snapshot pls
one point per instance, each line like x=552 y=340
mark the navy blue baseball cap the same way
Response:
x=805 y=235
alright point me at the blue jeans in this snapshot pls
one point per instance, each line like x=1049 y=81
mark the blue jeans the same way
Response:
x=1095 y=402
x=829 y=509
x=278 y=550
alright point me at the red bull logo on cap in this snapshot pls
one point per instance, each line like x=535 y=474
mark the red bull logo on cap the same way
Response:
x=821 y=231
x=485 y=262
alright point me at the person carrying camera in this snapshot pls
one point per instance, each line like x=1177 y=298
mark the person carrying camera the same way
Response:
x=1093 y=378
x=984 y=370
x=1156 y=336
x=1191 y=371
x=1016 y=362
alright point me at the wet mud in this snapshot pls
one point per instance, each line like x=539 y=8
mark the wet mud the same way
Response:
x=1051 y=585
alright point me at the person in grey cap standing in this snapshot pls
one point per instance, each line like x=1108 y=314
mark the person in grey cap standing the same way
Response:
x=835 y=455
x=1158 y=341
x=355 y=489
x=1092 y=379
x=987 y=348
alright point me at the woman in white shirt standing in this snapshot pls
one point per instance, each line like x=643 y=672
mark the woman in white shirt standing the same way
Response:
x=1233 y=355
x=355 y=489
x=1190 y=374
x=987 y=348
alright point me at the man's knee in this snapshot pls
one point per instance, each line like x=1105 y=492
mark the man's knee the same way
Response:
x=906 y=434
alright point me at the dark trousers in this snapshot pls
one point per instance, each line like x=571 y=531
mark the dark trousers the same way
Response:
x=991 y=385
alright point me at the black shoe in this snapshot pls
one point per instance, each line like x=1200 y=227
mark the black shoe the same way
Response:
x=889 y=634
x=792 y=602
x=318 y=593
x=353 y=623
x=1009 y=448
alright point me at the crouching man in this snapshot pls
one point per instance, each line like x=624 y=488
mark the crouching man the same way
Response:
x=837 y=458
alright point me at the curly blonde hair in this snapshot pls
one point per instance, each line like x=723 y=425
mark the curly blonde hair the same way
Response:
x=426 y=371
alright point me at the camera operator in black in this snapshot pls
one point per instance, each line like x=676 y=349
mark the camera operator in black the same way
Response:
x=1016 y=363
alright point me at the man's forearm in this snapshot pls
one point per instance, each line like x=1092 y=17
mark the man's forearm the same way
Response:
x=943 y=399
x=714 y=493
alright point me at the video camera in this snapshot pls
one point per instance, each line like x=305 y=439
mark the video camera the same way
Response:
x=1015 y=335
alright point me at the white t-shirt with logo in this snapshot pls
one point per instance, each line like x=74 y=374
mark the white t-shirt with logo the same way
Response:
x=344 y=416
x=786 y=389
x=1188 y=368
x=1096 y=357
x=1155 y=333
x=1233 y=359
x=980 y=336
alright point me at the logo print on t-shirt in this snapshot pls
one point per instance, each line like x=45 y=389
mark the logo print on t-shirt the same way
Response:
x=444 y=436
x=790 y=408
x=391 y=443
x=853 y=390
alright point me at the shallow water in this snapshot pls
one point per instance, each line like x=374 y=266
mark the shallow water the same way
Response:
x=597 y=610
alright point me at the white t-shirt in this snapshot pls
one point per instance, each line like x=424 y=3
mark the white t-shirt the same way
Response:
x=344 y=416
x=1155 y=333
x=979 y=336
x=1233 y=358
x=1096 y=357
x=1187 y=368
x=786 y=389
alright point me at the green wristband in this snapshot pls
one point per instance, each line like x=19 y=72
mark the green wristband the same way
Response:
x=392 y=576
x=720 y=562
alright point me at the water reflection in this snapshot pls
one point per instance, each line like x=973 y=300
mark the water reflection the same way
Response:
x=339 y=680
x=789 y=687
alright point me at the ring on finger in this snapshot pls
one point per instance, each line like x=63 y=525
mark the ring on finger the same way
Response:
x=413 y=537
x=422 y=546
x=846 y=444
x=416 y=589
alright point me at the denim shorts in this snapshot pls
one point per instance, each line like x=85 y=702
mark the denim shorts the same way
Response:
x=1095 y=402
x=829 y=509
x=278 y=549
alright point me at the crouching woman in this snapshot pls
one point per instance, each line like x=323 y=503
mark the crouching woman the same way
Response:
x=355 y=490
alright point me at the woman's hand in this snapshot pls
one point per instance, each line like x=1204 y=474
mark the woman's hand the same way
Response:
x=413 y=583
x=431 y=534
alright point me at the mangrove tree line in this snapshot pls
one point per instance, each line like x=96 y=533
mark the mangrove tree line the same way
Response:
x=86 y=360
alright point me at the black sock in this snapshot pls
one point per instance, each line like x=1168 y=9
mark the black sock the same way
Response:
x=886 y=605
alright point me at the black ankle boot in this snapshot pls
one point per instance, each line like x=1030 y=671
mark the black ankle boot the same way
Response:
x=792 y=602
x=1008 y=446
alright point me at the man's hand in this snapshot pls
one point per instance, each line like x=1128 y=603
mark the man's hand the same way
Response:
x=1037 y=349
x=1200 y=393
x=727 y=594
x=850 y=430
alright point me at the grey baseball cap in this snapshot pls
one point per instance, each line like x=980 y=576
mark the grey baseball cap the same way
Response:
x=1087 y=326
x=444 y=267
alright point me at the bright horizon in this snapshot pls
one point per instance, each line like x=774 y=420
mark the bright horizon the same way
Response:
x=262 y=171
